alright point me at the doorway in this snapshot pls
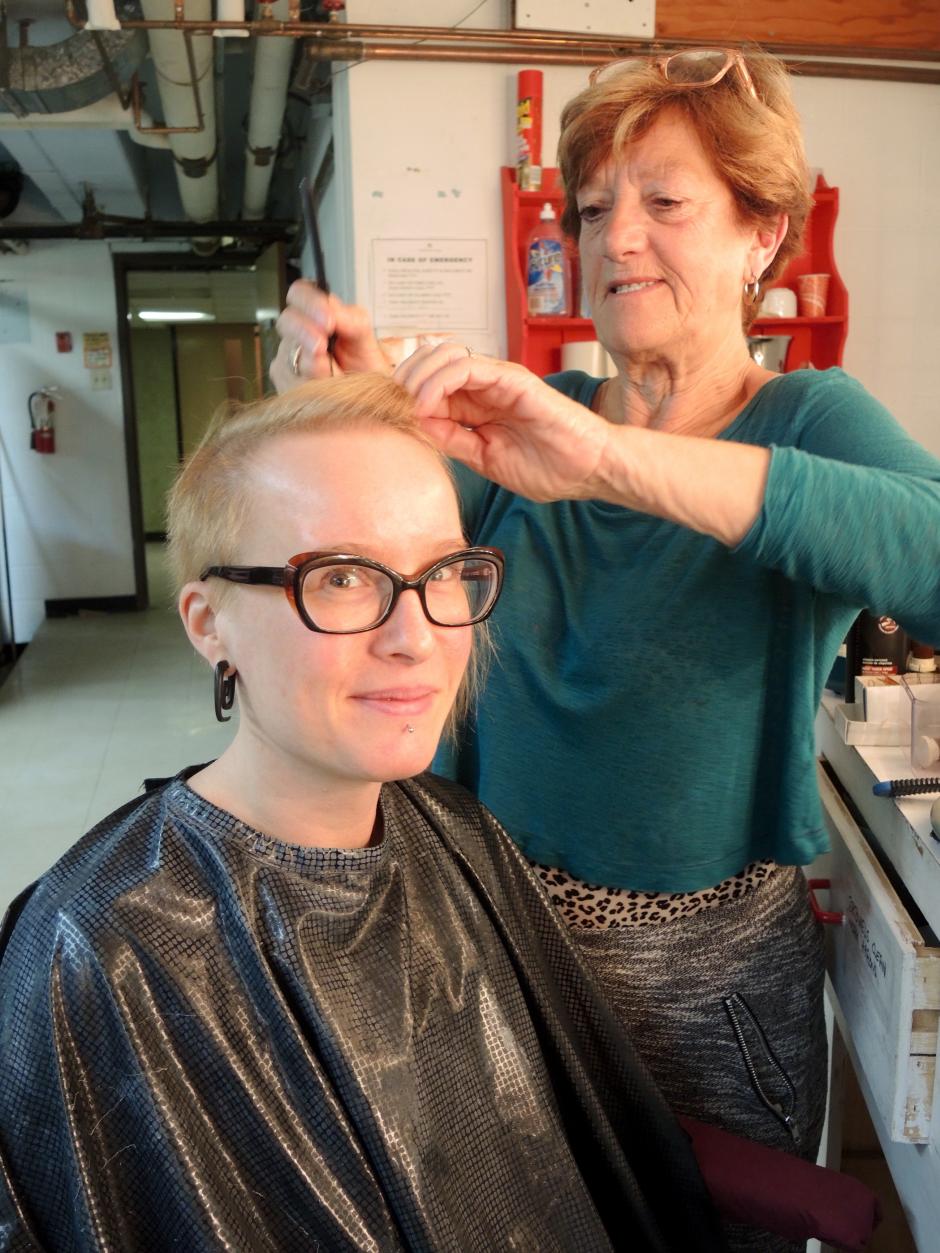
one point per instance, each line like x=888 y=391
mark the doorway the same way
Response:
x=195 y=334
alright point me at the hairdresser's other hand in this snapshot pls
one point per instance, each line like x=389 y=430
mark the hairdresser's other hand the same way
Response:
x=502 y=421
x=307 y=321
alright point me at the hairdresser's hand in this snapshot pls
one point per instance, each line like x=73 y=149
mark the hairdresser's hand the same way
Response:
x=307 y=322
x=501 y=420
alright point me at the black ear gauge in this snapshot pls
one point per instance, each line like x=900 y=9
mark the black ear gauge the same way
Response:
x=223 y=690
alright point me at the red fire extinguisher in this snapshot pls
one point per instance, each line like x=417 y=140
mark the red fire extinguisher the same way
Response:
x=41 y=406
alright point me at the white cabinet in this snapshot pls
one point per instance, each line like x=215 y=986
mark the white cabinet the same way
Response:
x=885 y=1005
x=886 y=978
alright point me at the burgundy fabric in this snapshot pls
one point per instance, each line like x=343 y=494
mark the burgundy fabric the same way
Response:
x=774 y=1191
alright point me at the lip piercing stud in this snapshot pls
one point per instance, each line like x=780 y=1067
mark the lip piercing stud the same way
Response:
x=409 y=728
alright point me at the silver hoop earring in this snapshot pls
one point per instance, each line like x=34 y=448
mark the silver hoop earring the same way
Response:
x=752 y=291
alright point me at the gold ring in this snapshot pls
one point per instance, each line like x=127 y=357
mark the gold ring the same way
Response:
x=294 y=359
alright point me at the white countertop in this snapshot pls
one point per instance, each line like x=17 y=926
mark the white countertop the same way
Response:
x=902 y=826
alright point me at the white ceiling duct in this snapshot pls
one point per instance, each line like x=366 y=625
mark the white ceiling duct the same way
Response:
x=108 y=114
x=58 y=77
x=269 y=83
x=184 y=75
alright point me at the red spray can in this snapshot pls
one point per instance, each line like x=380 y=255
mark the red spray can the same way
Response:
x=529 y=130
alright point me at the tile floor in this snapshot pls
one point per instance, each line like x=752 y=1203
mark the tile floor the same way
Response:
x=95 y=704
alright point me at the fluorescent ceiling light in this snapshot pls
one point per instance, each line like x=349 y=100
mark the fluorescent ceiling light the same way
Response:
x=174 y=315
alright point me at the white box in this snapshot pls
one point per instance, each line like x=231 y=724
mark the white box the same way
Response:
x=601 y=17
x=852 y=728
x=883 y=697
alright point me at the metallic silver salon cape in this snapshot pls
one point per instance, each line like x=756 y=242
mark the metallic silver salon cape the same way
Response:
x=211 y=1039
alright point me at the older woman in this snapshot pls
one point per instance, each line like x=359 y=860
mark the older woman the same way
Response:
x=283 y=1002
x=711 y=531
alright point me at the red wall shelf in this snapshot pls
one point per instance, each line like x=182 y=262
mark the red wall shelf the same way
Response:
x=537 y=341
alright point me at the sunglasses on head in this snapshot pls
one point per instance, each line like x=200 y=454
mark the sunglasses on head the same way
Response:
x=693 y=68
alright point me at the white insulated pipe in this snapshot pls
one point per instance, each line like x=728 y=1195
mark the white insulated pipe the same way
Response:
x=269 y=82
x=107 y=114
x=197 y=171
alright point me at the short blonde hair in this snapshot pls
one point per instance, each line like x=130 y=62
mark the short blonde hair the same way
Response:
x=206 y=507
x=206 y=504
x=756 y=146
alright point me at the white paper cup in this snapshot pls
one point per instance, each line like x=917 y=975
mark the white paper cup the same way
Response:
x=587 y=355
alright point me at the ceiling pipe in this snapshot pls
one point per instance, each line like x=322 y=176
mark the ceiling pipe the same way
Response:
x=806 y=67
x=269 y=83
x=102 y=228
x=184 y=63
x=524 y=43
x=107 y=114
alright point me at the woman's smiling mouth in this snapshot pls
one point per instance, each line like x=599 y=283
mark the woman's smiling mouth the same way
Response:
x=628 y=289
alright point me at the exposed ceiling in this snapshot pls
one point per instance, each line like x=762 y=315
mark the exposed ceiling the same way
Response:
x=84 y=164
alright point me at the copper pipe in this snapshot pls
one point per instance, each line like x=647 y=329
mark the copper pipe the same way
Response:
x=137 y=101
x=293 y=11
x=194 y=78
x=538 y=47
x=608 y=45
x=606 y=48
x=358 y=52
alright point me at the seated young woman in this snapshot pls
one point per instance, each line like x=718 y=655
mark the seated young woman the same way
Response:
x=305 y=996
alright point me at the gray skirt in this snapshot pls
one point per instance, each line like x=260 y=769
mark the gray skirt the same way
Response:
x=726 y=1008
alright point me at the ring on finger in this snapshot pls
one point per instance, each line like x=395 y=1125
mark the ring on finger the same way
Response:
x=294 y=358
x=470 y=353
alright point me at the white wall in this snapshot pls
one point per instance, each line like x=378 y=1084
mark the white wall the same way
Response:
x=67 y=515
x=427 y=140
x=879 y=143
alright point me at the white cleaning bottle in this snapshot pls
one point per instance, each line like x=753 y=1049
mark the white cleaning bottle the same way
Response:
x=548 y=268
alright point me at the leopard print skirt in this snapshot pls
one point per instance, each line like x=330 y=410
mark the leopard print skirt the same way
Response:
x=587 y=905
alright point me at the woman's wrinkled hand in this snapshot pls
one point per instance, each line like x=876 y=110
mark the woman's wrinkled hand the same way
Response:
x=305 y=325
x=502 y=421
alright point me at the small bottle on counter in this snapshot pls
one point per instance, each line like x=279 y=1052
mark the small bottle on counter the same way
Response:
x=921 y=659
x=882 y=645
x=548 y=268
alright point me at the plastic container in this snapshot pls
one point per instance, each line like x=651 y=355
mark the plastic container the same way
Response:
x=548 y=269
x=924 y=693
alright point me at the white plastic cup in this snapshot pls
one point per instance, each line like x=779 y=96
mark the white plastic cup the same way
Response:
x=778 y=302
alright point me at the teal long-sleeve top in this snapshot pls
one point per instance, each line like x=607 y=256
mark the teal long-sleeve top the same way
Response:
x=649 y=720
